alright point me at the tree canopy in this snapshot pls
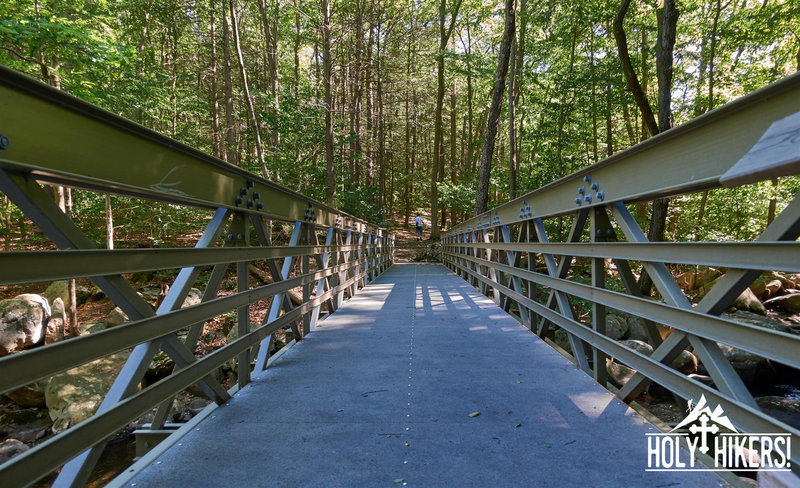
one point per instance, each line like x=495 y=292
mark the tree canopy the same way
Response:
x=338 y=99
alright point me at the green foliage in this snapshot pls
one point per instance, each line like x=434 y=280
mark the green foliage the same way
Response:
x=460 y=198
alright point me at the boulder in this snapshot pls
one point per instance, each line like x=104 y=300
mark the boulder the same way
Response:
x=151 y=291
x=747 y=364
x=84 y=293
x=56 y=322
x=10 y=448
x=116 y=317
x=160 y=367
x=786 y=410
x=692 y=280
x=194 y=297
x=29 y=396
x=759 y=320
x=73 y=396
x=57 y=289
x=619 y=373
x=26 y=425
x=22 y=322
x=91 y=327
x=746 y=301
x=686 y=362
x=638 y=346
x=789 y=303
x=765 y=290
x=617 y=327
x=749 y=301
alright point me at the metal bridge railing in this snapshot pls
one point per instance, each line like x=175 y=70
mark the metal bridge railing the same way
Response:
x=508 y=253
x=53 y=138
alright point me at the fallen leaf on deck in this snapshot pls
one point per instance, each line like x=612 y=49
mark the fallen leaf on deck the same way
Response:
x=474 y=414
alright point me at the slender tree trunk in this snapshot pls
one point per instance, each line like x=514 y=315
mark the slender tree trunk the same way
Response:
x=248 y=98
x=512 y=126
x=271 y=34
x=627 y=69
x=216 y=140
x=773 y=202
x=355 y=106
x=379 y=52
x=628 y=125
x=325 y=27
x=470 y=117
x=231 y=151
x=444 y=35
x=482 y=197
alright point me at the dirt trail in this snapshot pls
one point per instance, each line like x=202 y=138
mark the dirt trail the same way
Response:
x=407 y=247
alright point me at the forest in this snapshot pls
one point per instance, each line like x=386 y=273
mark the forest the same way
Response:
x=386 y=108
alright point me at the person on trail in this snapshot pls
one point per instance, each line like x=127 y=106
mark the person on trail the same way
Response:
x=418 y=223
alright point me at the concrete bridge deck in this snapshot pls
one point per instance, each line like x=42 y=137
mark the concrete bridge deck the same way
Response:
x=381 y=395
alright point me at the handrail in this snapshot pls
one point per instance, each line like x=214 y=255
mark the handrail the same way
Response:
x=56 y=138
x=508 y=254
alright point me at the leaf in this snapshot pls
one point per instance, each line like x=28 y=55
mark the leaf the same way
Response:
x=399 y=480
x=518 y=426
x=340 y=410
x=474 y=414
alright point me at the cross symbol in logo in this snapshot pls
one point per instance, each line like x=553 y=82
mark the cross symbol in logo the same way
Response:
x=703 y=429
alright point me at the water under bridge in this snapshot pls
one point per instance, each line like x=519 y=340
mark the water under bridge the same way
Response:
x=401 y=374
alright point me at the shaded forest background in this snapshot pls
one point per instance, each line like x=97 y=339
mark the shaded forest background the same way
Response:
x=338 y=100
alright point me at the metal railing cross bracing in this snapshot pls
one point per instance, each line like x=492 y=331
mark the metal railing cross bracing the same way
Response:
x=321 y=260
x=510 y=254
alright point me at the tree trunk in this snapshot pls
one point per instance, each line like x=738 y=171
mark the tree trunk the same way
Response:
x=325 y=27
x=231 y=152
x=444 y=35
x=381 y=122
x=271 y=34
x=627 y=69
x=773 y=202
x=512 y=126
x=355 y=106
x=482 y=197
x=216 y=139
x=248 y=98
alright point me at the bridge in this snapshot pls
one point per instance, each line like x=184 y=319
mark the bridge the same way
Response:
x=401 y=374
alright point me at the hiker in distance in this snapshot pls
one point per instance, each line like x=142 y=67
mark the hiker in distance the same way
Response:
x=418 y=223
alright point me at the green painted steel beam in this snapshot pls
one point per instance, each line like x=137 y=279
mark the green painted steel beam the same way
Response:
x=37 y=266
x=55 y=137
x=689 y=157
x=775 y=345
x=780 y=256
x=35 y=364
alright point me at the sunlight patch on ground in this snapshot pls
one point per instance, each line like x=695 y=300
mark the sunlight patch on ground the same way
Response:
x=592 y=404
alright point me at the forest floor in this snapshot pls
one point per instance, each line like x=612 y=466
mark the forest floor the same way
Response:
x=408 y=248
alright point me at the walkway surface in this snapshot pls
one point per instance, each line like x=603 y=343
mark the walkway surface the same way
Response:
x=381 y=395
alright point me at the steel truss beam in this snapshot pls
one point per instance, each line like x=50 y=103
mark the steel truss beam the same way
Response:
x=718 y=139
x=45 y=128
x=781 y=256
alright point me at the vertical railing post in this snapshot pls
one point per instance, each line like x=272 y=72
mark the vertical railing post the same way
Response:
x=277 y=299
x=599 y=233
